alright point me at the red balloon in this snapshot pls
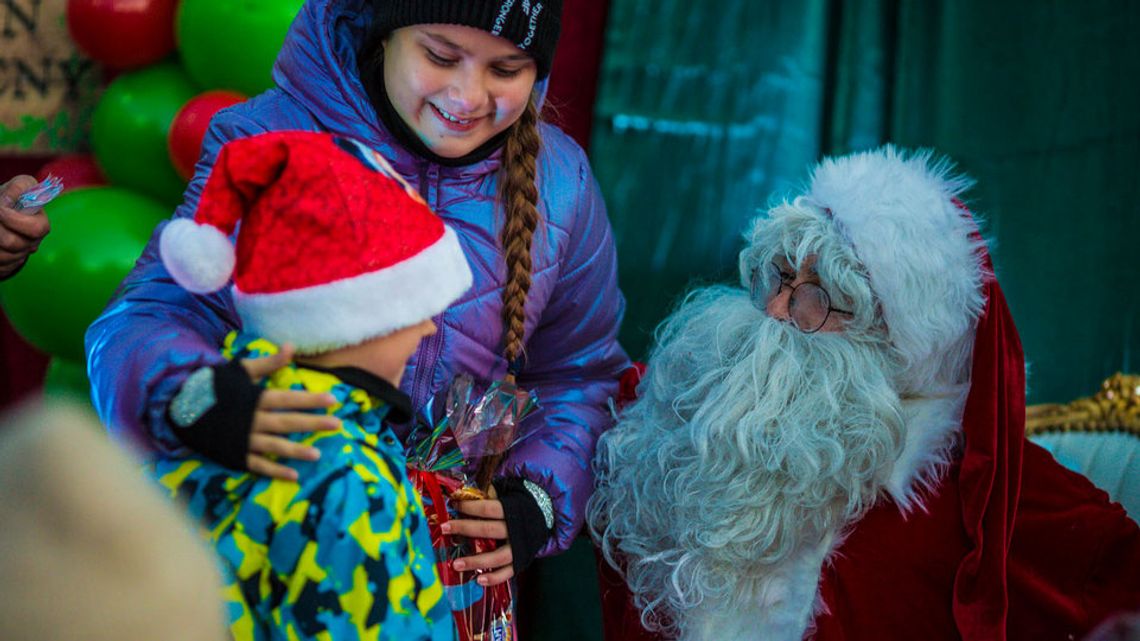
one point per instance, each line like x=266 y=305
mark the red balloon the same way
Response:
x=75 y=170
x=184 y=140
x=123 y=34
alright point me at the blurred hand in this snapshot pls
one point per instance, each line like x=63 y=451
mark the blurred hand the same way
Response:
x=273 y=418
x=21 y=230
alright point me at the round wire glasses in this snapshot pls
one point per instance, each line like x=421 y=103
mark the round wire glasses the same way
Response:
x=809 y=305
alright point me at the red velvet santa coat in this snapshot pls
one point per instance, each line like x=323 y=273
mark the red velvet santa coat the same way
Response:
x=1009 y=545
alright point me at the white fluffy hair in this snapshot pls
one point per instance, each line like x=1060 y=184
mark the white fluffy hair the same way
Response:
x=794 y=231
x=751 y=441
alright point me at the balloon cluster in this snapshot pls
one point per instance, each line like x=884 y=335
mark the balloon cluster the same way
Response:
x=174 y=64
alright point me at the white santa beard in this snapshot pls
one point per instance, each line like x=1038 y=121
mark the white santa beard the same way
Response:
x=751 y=446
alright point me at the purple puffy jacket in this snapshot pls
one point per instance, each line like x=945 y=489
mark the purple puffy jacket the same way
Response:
x=153 y=334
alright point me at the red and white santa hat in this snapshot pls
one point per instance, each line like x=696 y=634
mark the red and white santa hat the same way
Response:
x=334 y=247
x=900 y=212
x=945 y=311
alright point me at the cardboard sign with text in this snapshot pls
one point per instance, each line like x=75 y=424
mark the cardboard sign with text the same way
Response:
x=48 y=89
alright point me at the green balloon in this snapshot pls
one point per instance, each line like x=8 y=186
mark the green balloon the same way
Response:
x=67 y=379
x=232 y=45
x=97 y=233
x=130 y=125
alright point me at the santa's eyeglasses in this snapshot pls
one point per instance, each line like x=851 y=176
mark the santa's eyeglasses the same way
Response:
x=809 y=305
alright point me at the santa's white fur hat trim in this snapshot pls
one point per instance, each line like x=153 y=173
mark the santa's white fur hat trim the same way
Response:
x=352 y=310
x=199 y=257
x=920 y=247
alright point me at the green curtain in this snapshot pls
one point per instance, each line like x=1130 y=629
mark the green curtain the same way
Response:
x=709 y=112
x=1040 y=102
x=704 y=111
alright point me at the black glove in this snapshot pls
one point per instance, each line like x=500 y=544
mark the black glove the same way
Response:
x=527 y=531
x=212 y=413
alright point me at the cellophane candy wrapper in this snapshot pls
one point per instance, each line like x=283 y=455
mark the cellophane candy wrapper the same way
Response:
x=445 y=450
x=41 y=194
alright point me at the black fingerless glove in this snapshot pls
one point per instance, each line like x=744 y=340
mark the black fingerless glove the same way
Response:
x=212 y=413
x=527 y=531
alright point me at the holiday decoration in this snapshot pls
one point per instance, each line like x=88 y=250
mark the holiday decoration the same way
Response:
x=184 y=140
x=97 y=234
x=232 y=45
x=74 y=170
x=68 y=379
x=123 y=34
x=128 y=130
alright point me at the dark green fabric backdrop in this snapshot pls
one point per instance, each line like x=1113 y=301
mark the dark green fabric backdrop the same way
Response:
x=1041 y=103
x=708 y=111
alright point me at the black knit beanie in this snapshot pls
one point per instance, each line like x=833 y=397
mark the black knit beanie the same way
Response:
x=532 y=25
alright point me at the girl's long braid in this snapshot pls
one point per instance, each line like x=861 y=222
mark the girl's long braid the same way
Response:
x=519 y=195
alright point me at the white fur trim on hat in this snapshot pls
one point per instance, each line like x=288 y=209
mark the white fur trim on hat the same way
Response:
x=899 y=214
x=352 y=310
x=199 y=257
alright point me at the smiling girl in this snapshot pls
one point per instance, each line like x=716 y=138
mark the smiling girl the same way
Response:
x=449 y=92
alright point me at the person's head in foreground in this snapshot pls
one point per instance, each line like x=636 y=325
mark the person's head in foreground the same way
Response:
x=88 y=549
x=774 y=415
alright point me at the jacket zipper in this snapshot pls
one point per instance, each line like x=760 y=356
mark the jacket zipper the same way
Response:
x=430 y=351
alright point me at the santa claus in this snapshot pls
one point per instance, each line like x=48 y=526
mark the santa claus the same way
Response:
x=836 y=450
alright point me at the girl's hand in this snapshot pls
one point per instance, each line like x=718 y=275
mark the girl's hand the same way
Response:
x=496 y=565
x=273 y=417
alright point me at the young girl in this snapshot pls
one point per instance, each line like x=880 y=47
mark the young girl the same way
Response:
x=446 y=90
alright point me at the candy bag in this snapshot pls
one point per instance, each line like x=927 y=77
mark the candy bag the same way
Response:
x=447 y=453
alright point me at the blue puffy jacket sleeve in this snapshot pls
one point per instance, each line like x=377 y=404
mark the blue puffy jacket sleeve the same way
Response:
x=573 y=361
x=153 y=333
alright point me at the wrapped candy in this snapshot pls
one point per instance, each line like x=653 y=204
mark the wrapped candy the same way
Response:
x=41 y=194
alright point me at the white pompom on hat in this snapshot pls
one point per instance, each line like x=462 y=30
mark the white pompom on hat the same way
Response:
x=199 y=257
x=900 y=211
x=334 y=247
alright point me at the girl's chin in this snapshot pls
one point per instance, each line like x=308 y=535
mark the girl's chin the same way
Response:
x=447 y=149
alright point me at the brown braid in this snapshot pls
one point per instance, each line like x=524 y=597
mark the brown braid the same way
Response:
x=519 y=195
